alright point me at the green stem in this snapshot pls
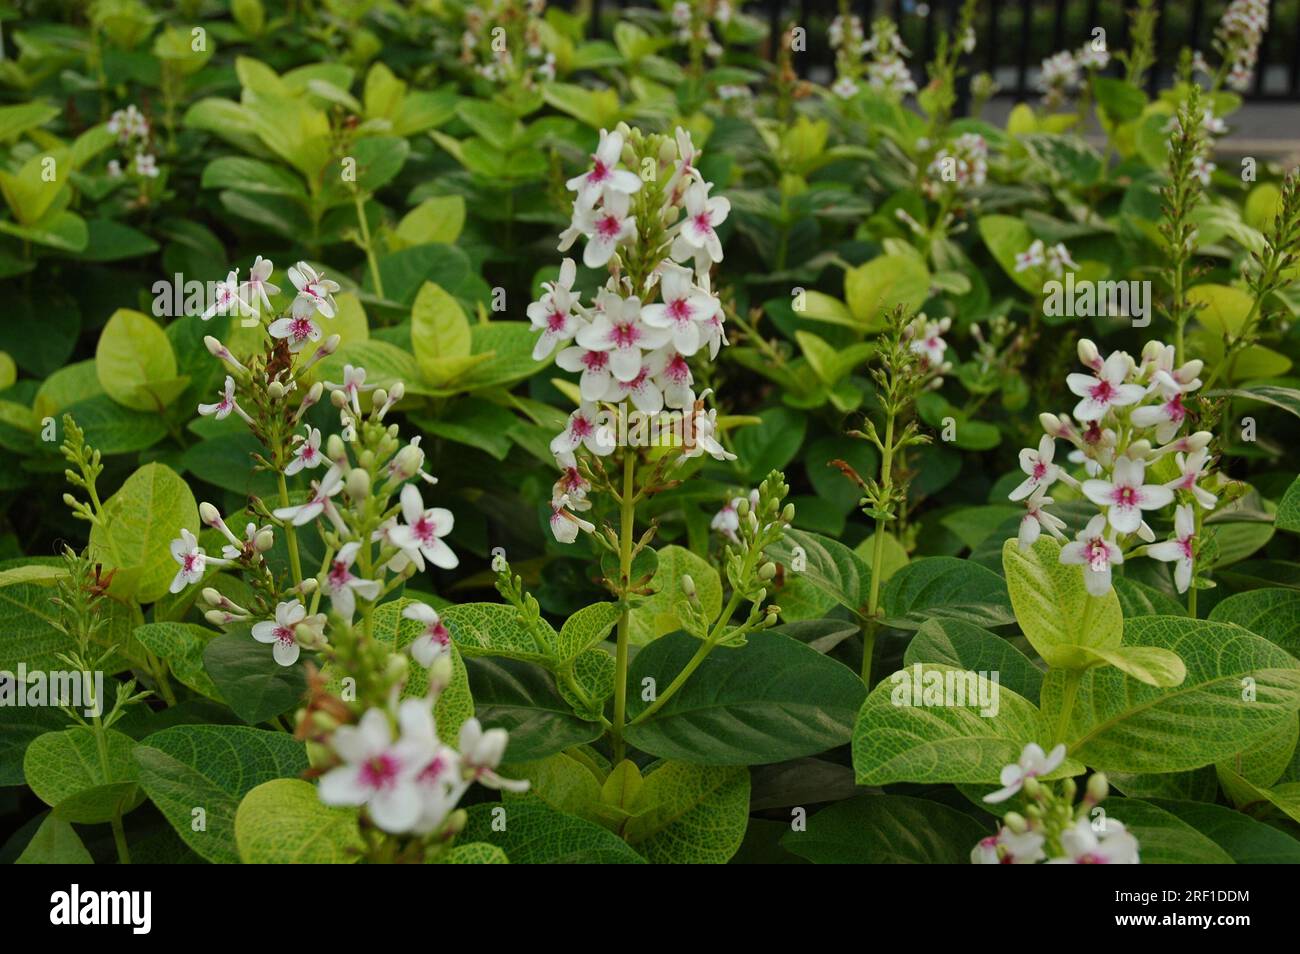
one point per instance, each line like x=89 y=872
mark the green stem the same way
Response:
x=1072 y=680
x=878 y=551
x=119 y=839
x=628 y=516
x=367 y=244
x=706 y=647
x=290 y=534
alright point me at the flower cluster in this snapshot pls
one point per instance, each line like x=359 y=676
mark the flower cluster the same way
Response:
x=887 y=70
x=1061 y=72
x=132 y=129
x=959 y=167
x=627 y=346
x=693 y=24
x=1125 y=429
x=1237 y=38
x=1054 y=259
x=1052 y=828
x=502 y=42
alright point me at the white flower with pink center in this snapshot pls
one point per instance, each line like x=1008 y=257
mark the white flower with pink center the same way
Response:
x=584 y=429
x=1008 y=848
x=619 y=329
x=298 y=330
x=420 y=537
x=683 y=310
x=343 y=586
x=674 y=378
x=927 y=340
x=258 y=289
x=604 y=178
x=279 y=632
x=226 y=299
x=1166 y=417
x=727 y=520
x=594 y=366
x=564 y=523
x=1180 y=549
x=1107 y=389
x=379 y=772
x=1037 y=519
x=1037 y=464
x=645 y=395
x=1125 y=495
x=1032 y=257
x=434 y=641
x=315 y=292
x=193 y=561
x=553 y=314
x=702 y=435
x=221 y=409
x=316 y=504
x=606 y=228
x=1095 y=553
x=353 y=384
x=480 y=754
x=1084 y=845
x=1033 y=763
x=1192 y=467
x=307 y=454
x=697 y=235
x=571 y=481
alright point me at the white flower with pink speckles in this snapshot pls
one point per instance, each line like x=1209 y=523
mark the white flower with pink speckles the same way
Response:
x=381 y=772
x=1033 y=763
x=1191 y=468
x=1107 y=389
x=697 y=236
x=674 y=377
x=434 y=641
x=420 y=537
x=604 y=179
x=193 y=561
x=606 y=227
x=553 y=314
x=221 y=409
x=1037 y=519
x=565 y=524
x=1126 y=494
x=594 y=367
x=1037 y=464
x=315 y=292
x=280 y=632
x=1180 y=549
x=682 y=311
x=343 y=586
x=298 y=330
x=1095 y=553
x=306 y=453
x=618 y=328
x=585 y=428
x=1009 y=848
x=317 y=503
x=1085 y=845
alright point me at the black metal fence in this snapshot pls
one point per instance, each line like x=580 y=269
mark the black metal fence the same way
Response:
x=1014 y=36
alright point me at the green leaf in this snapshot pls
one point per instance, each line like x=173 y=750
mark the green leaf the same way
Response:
x=1288 y=399
x=963 y=645
x=252 y=683
x=832 y=573
x=1149 y=664
x=657 y=614
x=212 y=767
x=874 y=289
x=475 y=853
x=16 y=120
x=772 y=444
x=495 y=629
x=523 y=699
x=1246 y=840
x=146 y=514
x=771 y=699
x=1222 y=308
x=886 y=829
x=534 y=833
x=1006 y=237
x=55 y=843
x=945 y=587
x=562 y=781
x=438 y=219
x=181 y=646
x=65 y=771
x=1288 y=509
x=1057 y=614
x=584 y=629
x=1138 y=599
x=1122 y=725
x=1272 y=612
x=135 y=363
x=252 y=176
x=1164 y=838
x=113 y=429
x=689 y=814
x=284 y=822
x=911 y=730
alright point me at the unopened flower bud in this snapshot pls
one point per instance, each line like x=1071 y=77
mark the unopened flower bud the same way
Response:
x=1032 y=788
x=339 y=398
x=688 y=586
x=334 y=447
x=408 y=462
x=322 y=721
x=308 y=586
x=1199 y=440
x=358 y=484
x=212 y=597
x=456 y=822
x=1139 y=450
x=1098 y=787
x=378 y=397
x=1089 y=355
x=209 y=514
x=276 y=390
x=767 y=571
x=397 y=393
x=331 y=344
x=742 y=508
x=216 y=617
x=787 y=513
x=264 y=540
x=1016 y=822
x=397 y=668
x=440 y=673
